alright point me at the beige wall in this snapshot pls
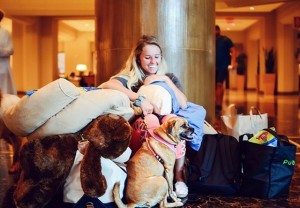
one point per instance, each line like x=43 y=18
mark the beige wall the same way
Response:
x=274 y=29
x=253 y=48
x=78 y=51
x=35 y=44
x=235 y=36
x=288 y=75
x=35 y=52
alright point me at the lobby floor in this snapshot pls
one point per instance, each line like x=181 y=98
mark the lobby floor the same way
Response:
x=283 y=113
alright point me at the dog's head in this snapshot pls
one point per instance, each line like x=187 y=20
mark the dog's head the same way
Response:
x=174 y=130
x=110 y=135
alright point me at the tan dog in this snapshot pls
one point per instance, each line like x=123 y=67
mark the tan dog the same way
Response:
x=150 y=170
x=6 y=101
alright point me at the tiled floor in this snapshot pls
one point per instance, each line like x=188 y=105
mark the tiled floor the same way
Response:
x=284 y=115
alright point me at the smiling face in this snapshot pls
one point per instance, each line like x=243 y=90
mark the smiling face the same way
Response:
x=150 y=59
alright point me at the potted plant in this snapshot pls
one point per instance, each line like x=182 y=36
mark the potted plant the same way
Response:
x=269 y=76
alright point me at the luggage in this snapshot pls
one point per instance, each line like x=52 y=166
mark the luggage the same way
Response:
x=89 y=202
x=215 y=168
x=267 y=169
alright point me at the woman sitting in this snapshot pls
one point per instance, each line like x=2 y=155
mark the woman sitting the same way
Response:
x=146 y=65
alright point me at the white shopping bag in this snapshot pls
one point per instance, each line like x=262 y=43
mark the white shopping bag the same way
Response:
x=237 y=124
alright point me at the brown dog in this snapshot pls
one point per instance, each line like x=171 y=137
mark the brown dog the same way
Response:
x=150 y=170
x=46 y=162
x=6 y=101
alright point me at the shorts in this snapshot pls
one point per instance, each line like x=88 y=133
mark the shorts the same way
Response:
x=221 y=75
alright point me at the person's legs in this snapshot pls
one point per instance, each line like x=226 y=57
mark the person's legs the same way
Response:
x=221 y=75
x=219 y=95
x=181 y=188
x=178 y=170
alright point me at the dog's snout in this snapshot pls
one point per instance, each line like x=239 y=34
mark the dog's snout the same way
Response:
x=191 y=129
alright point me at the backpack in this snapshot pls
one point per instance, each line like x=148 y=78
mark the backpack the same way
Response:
x=89 y=202
x=216 y=167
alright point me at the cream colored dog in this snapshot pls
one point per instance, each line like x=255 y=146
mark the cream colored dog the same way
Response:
x=150 y=170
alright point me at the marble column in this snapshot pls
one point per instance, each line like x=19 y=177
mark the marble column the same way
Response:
x=185 y=29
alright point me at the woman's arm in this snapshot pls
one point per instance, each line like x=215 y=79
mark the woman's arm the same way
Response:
x=180 y=96
x=115 y=84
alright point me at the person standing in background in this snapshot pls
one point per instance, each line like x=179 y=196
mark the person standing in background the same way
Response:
x=6 y=50
x=225 y=60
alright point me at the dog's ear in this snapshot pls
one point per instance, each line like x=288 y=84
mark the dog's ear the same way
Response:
x=165 y=131
x=169 y=129
x=170 y=125
x=110 y=134
x=93 y=183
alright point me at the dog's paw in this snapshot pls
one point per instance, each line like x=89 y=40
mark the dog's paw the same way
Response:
x=173 y=196
x=176 y=204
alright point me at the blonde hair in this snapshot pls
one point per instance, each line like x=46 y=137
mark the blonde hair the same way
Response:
x=132 y=68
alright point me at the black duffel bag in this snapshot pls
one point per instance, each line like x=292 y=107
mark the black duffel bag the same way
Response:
x=215 y=168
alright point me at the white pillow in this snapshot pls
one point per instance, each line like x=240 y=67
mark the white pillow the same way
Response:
x=208 y=129
x=159 y=96
x=112 y=171
x=83 y=110
x=32 y=111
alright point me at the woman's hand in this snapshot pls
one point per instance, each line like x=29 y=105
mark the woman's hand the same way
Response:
x=147 y=107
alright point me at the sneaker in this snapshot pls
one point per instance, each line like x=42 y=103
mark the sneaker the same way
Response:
x=181 y=189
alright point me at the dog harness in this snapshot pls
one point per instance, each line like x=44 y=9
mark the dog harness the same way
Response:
x=149 y=132
x=158 y=138
x=179 y=153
